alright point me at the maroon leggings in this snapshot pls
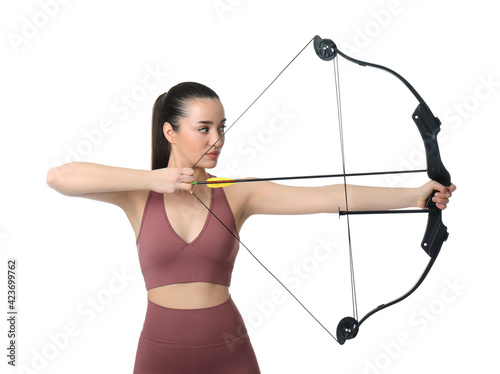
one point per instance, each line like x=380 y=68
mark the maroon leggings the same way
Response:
x=195 y=341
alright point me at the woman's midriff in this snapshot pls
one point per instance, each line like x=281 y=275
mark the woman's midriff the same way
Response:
x=189 y=295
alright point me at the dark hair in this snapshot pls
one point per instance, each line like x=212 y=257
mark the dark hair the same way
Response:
x=171 y=107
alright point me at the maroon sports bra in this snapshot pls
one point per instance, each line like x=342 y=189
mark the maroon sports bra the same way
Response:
x=165 y=258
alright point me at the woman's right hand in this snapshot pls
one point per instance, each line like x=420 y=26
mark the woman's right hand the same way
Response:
x=172 y=180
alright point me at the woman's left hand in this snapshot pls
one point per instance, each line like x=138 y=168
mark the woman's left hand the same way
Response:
x=441 y=198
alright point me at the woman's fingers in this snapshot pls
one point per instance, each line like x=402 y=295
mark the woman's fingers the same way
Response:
x=442 y=197
x=186 y=179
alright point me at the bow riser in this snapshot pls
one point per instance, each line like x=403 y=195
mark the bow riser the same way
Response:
x=429 y=127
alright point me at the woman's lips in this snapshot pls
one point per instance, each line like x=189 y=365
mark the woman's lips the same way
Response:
x=213 y=155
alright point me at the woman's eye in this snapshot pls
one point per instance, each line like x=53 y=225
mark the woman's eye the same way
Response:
x=222 y=128
x=203 y=129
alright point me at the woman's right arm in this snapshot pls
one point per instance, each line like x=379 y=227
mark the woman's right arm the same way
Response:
x=126 y=188
x=115 y=185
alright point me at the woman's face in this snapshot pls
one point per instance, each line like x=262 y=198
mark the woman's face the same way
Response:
x=197 y=132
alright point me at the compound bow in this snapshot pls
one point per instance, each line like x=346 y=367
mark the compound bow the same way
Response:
x=436 y=232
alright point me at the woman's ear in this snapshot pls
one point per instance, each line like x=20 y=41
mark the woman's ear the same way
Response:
x=169 y=132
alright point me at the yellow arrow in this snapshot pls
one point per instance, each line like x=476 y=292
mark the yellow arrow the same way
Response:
x=223 y=182
x=217 y=182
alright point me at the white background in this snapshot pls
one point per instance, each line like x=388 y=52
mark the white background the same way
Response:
x=67 y=69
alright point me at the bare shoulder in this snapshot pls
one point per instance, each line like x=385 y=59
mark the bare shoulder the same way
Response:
x=239 y=196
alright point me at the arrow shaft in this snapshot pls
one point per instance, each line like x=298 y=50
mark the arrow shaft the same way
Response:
x=309 y=177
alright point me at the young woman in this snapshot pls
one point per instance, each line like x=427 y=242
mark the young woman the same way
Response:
x=186 y=254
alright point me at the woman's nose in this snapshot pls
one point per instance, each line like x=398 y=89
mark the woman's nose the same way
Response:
x=216 y=139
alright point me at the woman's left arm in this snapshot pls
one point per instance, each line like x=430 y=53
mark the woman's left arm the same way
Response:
x=272 y=198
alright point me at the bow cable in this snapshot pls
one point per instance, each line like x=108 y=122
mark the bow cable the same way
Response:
x=341 y=132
